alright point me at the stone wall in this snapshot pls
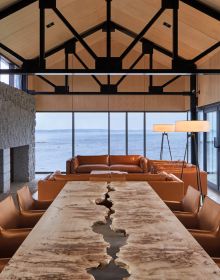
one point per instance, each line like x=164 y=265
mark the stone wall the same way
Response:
x=17 y=129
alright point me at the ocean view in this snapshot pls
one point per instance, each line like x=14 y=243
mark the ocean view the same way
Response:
x=54 y=147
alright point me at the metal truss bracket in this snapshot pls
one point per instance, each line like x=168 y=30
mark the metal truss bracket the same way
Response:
x=48 y=4
x=70 y=48
x=183 y=65
x=147 y=47
x=170 y=4
x=32 y=65
x=108 y=64
x=61 y=89
x=155 y=89
x=105 y=27
x=108 y=89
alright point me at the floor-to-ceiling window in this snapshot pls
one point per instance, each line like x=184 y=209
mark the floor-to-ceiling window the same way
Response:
x=91 y=133
x=117 y=133
x=135 y=133
x=4 y=65
x=59 y=136
x=53 y=140
x=211 y=151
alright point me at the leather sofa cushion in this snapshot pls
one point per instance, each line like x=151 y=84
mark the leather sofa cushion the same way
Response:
x=87 y=168
x=93 y=160
x=122 y=160
x=127 y=168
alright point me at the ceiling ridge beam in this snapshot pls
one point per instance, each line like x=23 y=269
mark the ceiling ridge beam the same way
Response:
x=75 y=33
x=205 y=9
x=15 y=8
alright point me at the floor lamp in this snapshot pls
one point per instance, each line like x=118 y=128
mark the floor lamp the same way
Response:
x=164 y=128
x=192 y=127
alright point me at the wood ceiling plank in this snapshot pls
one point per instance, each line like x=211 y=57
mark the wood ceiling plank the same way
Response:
x=6 y=3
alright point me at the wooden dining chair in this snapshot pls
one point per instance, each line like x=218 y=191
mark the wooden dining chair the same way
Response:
x=28 y=204
x=206 y=220
x=189 y=204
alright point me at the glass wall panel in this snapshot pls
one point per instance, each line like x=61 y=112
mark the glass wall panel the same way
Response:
x=4 y=65
x=136 y=133
x=117 y=133
x=91 y=133
x=53 y=141
x=153 y=139
x=211 y=150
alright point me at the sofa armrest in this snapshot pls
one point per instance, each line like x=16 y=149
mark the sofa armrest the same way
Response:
x=144 y=164
x=68 y=166
x=174 y=205
x=75 y=164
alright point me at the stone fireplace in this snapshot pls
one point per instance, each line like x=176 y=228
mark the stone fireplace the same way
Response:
x=17 y=136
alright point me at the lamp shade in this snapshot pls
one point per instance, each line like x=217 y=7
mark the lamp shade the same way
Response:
x=164 y=127
x=192 y=126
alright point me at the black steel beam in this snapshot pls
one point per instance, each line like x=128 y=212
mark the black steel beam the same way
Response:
x=151 y=67
x=86 y=67
x=193 y=111
x=203 y=8
x=75 y=33
x=201 y=55
x=108 y=33
x=118 y=93
x=11 y=52
x=42 y=38
x=89 y=72
x=142 y=33
x=134 y=35
x=15 y=8
x=131 y=67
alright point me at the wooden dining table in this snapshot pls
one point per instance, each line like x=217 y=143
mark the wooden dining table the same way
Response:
x=63 y=244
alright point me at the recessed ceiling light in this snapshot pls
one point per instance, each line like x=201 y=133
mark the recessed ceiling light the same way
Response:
x=166 y=24
x=50 y=24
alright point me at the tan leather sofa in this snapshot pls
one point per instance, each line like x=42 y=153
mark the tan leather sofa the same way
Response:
x=167 y=186
x=189 y=173
x=127 y=163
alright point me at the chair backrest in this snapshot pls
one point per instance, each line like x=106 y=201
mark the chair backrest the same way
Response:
x=25 y=199
x=9 y=215
x=191 y=200
x=209 y=215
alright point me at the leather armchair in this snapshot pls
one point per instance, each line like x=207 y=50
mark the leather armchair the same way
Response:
x=28 y=204
x=190 y=202
x=10 y=240
x=207 y=219
x=11 y=218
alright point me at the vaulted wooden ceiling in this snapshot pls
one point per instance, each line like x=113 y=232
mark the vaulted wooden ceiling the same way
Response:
x=20 y=31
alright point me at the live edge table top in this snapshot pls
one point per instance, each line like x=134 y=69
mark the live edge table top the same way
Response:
x=63 y=245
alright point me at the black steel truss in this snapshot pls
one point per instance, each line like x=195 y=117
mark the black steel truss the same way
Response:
x=109 y=25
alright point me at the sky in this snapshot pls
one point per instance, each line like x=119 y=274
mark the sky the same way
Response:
x=51 y=121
